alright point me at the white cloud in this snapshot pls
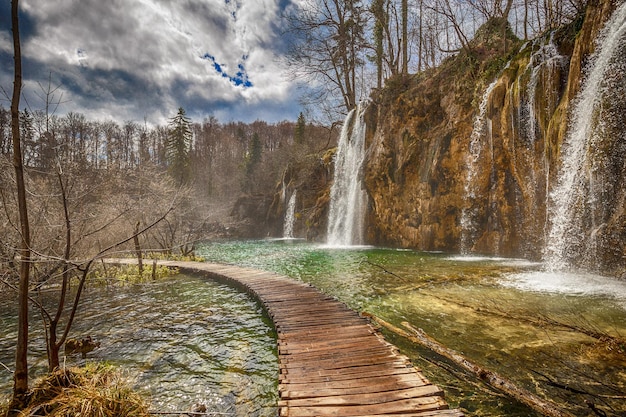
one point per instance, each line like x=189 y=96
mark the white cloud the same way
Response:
x=129 y=58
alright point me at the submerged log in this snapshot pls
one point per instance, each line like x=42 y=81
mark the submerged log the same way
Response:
x=494 y=380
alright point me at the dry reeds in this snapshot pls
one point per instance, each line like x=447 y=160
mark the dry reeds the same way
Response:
x=97 y=390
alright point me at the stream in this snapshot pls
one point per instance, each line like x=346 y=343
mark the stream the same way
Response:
x=186 y=340
x=182 y=340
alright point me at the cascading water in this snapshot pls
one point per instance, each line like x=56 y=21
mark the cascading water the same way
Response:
x=290 y=217
x=542 y=63
x=577 y=203
x=469 y=212
x=348 y=200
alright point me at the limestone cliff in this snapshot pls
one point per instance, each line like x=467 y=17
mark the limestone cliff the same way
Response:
x=464 y=157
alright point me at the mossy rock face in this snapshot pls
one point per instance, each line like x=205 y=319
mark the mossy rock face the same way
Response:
x=417 y=169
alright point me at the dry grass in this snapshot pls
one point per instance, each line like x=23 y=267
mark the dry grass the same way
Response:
x=97 y=390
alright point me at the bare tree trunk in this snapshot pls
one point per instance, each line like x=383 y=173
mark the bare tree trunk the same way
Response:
x=525 y=19
x=54 y=345
x=420 y=38
x=405 y=37
x=138 y=249
x=20 y=378
x=507 y=9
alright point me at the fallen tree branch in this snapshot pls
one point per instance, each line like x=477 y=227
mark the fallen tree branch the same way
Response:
x=491 y=378
x=553 y=383
x=386 y=271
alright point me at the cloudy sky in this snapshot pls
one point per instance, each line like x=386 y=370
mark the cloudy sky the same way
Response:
x=143 y=59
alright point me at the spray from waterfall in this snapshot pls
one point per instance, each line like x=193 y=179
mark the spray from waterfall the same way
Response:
x=348 y=200
x=576 y=196
x=290 y=216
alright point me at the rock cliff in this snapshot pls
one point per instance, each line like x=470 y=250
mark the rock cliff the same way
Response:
x=466 y=157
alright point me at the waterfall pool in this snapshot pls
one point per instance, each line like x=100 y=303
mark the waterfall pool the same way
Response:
x=186 y=340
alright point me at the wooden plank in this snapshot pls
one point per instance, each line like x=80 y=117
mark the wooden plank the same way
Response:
x=408 y=405
x=336 y=347
x=408 y=379
x=357 y=372
x=430 y=413
x=325 y=343
x=363 y=399
x=338 y=363
x=310 y=335
x=373 y=387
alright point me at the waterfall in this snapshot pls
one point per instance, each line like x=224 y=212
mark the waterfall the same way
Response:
x=348 y=200
x=544 y=68
x=470 y=210
x=542 y=61
x=290 y=216
x=577 y=194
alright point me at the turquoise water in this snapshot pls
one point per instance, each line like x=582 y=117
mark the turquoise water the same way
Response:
x=504 y=314
x=186 y=340
x=182 y=340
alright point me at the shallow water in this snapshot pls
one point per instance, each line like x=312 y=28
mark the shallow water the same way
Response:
x=182 y=340
x=186 y=340
x=504 y=314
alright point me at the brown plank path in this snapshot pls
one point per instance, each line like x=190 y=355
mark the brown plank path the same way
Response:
x=332 y=361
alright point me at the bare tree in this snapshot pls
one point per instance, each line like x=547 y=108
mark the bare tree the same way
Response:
x=329 y=46
x=81 y=269
x=405 y=37
x=20 y=384
x=452 y=13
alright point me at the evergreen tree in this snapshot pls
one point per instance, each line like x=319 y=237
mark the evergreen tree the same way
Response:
x=178 y=146
x=298 y=135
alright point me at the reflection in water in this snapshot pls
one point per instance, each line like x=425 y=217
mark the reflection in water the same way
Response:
x=486 y=308
x=183 y=340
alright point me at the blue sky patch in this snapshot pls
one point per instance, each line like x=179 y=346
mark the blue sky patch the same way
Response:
x=239 y=79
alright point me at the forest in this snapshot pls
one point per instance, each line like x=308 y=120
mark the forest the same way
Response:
x=215 y=162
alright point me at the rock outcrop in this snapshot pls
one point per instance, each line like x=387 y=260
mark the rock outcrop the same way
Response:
x=464 y=157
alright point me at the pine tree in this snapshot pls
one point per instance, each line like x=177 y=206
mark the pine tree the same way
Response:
x=178 y=146
x=298 y=135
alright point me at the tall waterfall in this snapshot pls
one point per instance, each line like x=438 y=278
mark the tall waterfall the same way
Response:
x=290 y=216
x=578 y=199
x=476 y=146
x=348 y=200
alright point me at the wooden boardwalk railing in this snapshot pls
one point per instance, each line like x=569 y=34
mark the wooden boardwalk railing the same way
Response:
x=332 y=361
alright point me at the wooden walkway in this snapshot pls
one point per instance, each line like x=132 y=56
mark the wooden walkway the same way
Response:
x=332 y=361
